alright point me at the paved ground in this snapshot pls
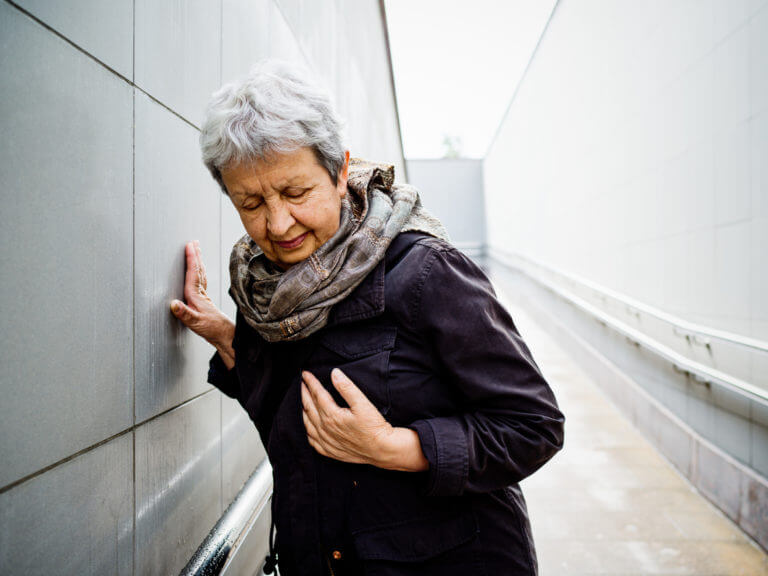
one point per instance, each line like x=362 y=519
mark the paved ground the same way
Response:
x=608 y=503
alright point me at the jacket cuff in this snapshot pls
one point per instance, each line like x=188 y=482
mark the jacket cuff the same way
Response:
x=223 y=378
x=444 y=443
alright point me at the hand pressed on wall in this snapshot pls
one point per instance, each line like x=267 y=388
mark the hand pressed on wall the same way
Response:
x=358 y=434
x=200 y=314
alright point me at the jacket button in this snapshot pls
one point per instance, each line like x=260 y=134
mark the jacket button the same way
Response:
x=354 y=483
x=336 y=555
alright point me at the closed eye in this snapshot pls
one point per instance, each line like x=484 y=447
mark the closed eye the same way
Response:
x=294 y=192
x=251 y=205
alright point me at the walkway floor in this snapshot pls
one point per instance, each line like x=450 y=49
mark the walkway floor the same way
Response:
x=608 y=503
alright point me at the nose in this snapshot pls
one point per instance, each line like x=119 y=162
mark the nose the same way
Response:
x=279 y=218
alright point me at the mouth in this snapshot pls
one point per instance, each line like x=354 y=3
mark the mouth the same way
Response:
x=295 y=243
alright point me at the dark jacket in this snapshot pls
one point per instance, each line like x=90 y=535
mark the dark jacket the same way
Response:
x=425 y=338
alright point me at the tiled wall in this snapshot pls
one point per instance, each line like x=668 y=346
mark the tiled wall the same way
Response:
x=636 y=155
x=116 y=455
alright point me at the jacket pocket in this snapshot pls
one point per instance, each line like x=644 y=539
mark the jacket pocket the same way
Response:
x=362 y=353
x=416 y=540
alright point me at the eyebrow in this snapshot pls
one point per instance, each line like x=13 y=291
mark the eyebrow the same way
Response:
x=292 y=181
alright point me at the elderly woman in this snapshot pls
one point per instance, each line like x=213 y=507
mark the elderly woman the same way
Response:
x=397 y=402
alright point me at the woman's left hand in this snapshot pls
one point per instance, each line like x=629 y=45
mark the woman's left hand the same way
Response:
x=358 y=434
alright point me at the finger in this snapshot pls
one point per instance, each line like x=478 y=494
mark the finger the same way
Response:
x=202 y=276
x=327 y=450
x=311 y=429
x=309 y=404
x=323 y=400
x=192 y=274
x=321 y=436
x=317 y=446
x=351 y=393
x=184 y=312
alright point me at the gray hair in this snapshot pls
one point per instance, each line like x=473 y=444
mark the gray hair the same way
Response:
x=276 y=108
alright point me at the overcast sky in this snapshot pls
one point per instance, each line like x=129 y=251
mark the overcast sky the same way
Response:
x=456 y=65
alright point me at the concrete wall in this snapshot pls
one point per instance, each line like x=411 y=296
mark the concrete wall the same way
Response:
x=635 y=155
x=452 y=189
x=117 y=457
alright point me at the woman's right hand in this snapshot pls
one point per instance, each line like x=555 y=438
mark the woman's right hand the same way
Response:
x=200 y=314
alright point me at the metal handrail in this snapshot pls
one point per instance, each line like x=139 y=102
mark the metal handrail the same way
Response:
x=212 y=555
x=680 y=326
x=696 y=370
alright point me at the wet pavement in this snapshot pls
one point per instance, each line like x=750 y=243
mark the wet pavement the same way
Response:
x=608 y=503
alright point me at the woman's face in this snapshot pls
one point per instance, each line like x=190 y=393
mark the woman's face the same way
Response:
x=288 y=204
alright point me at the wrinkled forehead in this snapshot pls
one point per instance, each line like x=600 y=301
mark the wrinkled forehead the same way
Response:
x=276 y=173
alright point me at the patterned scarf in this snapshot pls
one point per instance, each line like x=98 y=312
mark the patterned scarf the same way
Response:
x=292 y=304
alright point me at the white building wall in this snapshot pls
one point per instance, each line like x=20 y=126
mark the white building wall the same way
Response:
x=635 y=155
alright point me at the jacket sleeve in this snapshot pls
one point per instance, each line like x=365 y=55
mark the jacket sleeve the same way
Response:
x=511 y=424
x=223 y=378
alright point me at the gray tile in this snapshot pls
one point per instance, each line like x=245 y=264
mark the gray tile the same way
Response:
x=700 y=414
x=178 y=484
x=675 y=443
x=732 y=435
x=103 y=28
x=241 y=448
x=73 y=519
x=754 y=505
x=759 y=413
x=731 y=401
x=176 y=201
x=759 y=443
x=66 y=284
x=178 y=53
x=244 y=36
x=719 y=479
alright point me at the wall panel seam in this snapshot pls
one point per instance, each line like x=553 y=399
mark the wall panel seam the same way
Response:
x=522 y=79
x=87 y=449
x=67 y=40
x=103 y=64
x=133 y=280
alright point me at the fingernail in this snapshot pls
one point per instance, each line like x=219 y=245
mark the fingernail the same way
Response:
x=175 y=306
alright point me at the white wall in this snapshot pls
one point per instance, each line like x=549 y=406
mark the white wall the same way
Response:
x=452 y=190
x=636 y=155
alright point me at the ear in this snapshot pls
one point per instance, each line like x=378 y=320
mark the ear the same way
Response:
x=341 y=180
